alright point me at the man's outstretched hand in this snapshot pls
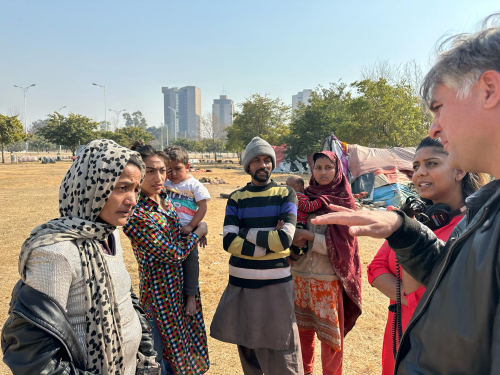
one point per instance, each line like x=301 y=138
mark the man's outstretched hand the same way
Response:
x=377 y=224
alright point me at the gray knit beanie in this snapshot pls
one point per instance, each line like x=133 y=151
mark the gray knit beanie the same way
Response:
x=256 y=147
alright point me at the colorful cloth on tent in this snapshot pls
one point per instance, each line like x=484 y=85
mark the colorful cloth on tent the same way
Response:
x=160 y=250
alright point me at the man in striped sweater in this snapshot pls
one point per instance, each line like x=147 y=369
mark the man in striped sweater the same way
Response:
x=256 y=311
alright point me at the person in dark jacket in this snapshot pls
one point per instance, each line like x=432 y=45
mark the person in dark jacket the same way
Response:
x=456 y=326
x=72 y=311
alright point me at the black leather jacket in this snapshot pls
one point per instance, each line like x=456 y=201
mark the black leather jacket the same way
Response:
x=456 y=326
x=37 y=337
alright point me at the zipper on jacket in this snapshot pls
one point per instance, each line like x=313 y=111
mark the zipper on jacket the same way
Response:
x=440 y=275
x=46 y=330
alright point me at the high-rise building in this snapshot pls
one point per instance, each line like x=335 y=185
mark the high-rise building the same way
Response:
x=301 y=97
x=182 y=111
x=223 y=110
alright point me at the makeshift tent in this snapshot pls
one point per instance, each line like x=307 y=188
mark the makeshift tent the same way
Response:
x=382 y=173
x=286 y=164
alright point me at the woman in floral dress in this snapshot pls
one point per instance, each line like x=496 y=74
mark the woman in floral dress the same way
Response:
x=159 y=248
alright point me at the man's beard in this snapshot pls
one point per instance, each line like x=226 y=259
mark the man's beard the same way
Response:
x=258 y=178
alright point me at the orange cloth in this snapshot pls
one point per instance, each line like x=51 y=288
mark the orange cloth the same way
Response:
x=317 y=309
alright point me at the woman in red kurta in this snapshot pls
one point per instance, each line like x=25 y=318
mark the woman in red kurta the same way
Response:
x=436 y=181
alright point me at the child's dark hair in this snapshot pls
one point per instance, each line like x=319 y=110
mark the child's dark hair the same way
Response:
x=178 y=154
x=300 y=181
x=147 y=151
x=471 y=181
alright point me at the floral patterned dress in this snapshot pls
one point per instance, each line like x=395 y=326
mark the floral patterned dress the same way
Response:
x=160 y=250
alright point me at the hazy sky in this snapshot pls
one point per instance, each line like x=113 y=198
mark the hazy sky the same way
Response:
x=246 y=46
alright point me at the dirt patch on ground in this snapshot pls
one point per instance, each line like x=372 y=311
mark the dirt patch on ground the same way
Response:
x=29 y=196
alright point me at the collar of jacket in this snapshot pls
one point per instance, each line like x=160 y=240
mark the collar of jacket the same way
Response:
x=44 y=312
x=485 y=196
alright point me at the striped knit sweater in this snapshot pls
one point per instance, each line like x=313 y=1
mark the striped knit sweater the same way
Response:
x=258 y=251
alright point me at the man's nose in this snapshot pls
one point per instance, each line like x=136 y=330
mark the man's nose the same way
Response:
x=435 y=129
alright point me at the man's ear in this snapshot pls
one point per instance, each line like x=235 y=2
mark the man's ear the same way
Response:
x=188 y=166
x=489 y=84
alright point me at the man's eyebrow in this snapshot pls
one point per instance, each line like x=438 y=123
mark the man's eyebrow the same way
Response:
x=432 y=104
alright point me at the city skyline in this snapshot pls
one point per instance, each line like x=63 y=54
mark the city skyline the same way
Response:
x=301 y=97
x=63 y=48
x=223 y=111
x=182 y=112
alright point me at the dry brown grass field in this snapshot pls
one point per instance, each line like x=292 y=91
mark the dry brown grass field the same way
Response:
x=28 y=197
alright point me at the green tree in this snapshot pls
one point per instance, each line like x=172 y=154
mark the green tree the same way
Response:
x=189 y=145
x=259 y=116
x=136 y=119
x=102 y=125
x=387 y=115
x=114 y=136
x=212 y=146
x=11 y=130
x=38 y=142
x=327 y=112
x=214 y=134
x=369 y=113
x=128 y=135
x=70 y=131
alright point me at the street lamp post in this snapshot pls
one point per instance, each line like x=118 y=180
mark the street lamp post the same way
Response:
x=161 y=134
x=117 y=113
x=175 y=122
x=25 y=90
x=105 y=118
x=60 y=146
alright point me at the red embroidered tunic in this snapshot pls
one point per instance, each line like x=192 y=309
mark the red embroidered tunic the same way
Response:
x=160 y=250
